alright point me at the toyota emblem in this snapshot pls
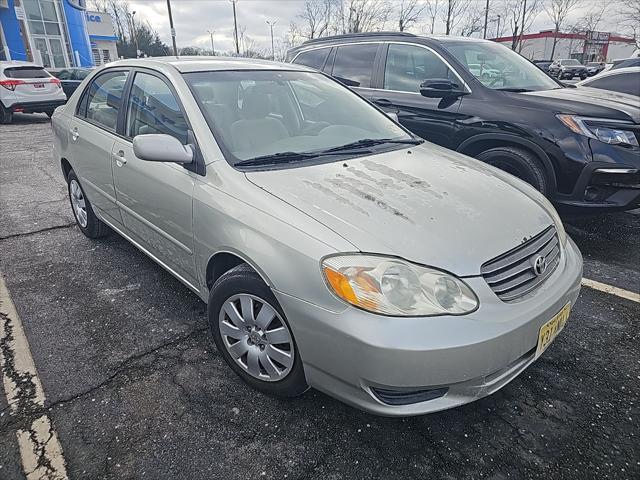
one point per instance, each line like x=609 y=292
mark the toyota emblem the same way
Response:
x=539 y=265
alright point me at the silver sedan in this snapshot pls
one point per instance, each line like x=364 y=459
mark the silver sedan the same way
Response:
x=334 y=249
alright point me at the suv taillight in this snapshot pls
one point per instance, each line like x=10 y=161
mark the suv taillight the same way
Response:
x=56 y=81
x=11 y=84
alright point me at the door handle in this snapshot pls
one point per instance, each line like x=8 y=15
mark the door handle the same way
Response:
x=383 y=102
x=119 y=158
x=74 y=134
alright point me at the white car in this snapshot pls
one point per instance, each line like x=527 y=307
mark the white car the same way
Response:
x=28 y=88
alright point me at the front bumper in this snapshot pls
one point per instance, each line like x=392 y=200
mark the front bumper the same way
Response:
x=352 y=354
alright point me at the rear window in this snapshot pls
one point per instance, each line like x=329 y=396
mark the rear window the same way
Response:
x=313 y=58
x=353 y=65
x=26 y=72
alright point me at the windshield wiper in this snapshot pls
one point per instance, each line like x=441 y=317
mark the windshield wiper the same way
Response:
x=370 y=142
x=290 y=157
x=515 y=90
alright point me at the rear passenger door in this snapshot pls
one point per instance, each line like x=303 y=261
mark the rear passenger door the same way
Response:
x=405 y=67
x=354 y=65
x=91 y=139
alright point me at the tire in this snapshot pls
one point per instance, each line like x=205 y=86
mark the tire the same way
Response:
x=518 y=162
x=91 y=226
x=235 y=287
x=6 y=116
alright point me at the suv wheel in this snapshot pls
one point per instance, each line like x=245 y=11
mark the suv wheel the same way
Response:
x=519 y=163
x=86 y=219
x=251 y=333
x=6 y=115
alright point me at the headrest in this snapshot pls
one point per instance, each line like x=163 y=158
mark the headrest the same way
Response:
x=255 y=105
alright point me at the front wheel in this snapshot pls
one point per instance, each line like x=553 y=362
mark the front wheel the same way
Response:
x=252 y=334
x=519 y=163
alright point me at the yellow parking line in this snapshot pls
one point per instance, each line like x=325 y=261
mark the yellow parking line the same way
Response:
x=40 y=448
x=619 y=292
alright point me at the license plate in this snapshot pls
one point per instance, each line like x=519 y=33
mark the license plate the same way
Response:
x=550 y=330
x=38 y=85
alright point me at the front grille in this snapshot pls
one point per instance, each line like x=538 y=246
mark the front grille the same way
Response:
x=512 y=274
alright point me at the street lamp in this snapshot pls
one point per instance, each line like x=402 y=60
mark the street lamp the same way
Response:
x=498 y=27
x=173 y=30
x=235 y=26
x=134 y=32
x=273 y=52
x=213 y=50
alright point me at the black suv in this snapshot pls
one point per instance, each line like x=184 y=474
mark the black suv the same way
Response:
x=577 y=146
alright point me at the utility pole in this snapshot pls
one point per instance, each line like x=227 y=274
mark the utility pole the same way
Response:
x=235 y=26
x=524 y=13
x=498 y=28
x=134 y=32
x=213 y=50
x=486 y=19
x=173 y=30
x=273 y=52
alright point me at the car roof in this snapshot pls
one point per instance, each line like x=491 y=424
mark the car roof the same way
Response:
x=203 y=63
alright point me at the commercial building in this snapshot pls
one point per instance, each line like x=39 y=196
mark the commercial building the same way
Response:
x=55 y=33
x=584 y=46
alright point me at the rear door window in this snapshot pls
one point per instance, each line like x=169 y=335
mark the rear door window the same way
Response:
x=353 y=64
x=26 y=72
x=103 y=99
x=313 y=58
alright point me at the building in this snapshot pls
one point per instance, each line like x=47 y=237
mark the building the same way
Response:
x=583 y=46
x=102 y=37
x=55 y=33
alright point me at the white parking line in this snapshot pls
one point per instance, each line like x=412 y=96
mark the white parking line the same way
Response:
x=40 y=448
x=619 y=292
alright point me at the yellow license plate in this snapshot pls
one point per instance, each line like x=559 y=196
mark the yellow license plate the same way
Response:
x=550 y=330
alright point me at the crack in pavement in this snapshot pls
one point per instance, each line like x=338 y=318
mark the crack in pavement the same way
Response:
x=48 y=229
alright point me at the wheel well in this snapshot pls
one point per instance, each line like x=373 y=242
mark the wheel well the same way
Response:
x=480 y=146
x=219 y=264
x=66 y=167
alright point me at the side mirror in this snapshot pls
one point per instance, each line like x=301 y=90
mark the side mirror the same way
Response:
x=440 y=88
x=393 y=116
x=161 y=148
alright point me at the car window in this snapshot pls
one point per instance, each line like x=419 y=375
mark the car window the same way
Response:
x=154 y=109
x=570 y=62
x=80 y=74
x=313 y=58
x=103 y=99
x=353 y=64
x=26 y=72
x=62 y=74
x=624 y=83
x=408 y=66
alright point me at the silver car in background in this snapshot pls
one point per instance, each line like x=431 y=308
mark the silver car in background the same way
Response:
x=333 y=248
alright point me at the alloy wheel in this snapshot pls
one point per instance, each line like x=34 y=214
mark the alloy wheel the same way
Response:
x=78 y=203
x=256 y=337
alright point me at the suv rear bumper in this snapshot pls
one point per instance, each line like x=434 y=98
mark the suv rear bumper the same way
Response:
x=35 y=107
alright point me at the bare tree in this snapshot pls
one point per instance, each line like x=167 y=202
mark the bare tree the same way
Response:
x=433 y=9
x=630 y=18
x=452 y=13
x=472 y=22
x=409 y=13
x=558 y=11
x=363 y=15
x=591 y=20
x=513 y=16
x=317 y=17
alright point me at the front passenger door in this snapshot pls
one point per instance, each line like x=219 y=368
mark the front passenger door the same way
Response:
x=155 y=198
x=406 y=67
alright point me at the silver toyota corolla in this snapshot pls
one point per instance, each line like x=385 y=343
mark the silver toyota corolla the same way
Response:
x=333 y=248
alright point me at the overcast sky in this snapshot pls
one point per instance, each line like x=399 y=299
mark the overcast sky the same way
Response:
x=192 y=19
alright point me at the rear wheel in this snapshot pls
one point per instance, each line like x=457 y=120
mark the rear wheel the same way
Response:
x=86 y=219
x=252 y=334
x=6 y=115
x=519 y=163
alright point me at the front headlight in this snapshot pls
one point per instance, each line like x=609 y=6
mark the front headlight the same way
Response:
x=391 y=286
x=605 y=130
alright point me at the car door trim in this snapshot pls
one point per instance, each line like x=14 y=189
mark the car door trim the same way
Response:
x=188 y=284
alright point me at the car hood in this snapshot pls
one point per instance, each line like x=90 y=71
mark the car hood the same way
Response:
x=591 y=102
x=426 y=204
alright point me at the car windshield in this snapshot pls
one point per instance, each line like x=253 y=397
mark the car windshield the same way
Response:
x=274 y=116
x=499 y=67
x=570 y=62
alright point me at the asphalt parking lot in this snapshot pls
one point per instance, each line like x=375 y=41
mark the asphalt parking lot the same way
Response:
x=134 y=388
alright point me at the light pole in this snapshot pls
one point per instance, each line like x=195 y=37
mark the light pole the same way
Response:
x=213 y=50
x=173 y=30
x=273 y=52
x=486 y=19
x=524 y=16
x=235 y=26
x=498 y=28
x=134 y=32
